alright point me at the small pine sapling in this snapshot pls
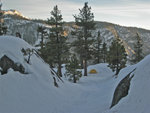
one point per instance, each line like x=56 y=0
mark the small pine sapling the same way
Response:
x=27 y=53
x=72 y=69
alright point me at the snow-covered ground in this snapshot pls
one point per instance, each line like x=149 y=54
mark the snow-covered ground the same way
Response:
x=35 y=92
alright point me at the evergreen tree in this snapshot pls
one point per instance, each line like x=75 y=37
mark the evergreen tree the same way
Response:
x=42 y=33
x=56 y=47
x=78 y=44
x=138 y=56
x=1 y=22
x=104 y=52
x=117 y=56
x=72 y=69
x=97 y=49
x=85 y=21
x=3 y=28
x=18 y=34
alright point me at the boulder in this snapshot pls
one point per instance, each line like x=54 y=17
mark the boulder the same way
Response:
x=6 y=63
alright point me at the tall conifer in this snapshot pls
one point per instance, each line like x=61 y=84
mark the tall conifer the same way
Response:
x=56 y=46
x=116 y=56
x=85 y=21
x=3 y=28
x=104 y=52
x=97 y=48
x=72 y=69
x=138 y=49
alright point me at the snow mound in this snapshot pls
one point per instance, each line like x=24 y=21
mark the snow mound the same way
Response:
x=101 y=69
x=137 y=100
x=11 y=46
x=25 y=93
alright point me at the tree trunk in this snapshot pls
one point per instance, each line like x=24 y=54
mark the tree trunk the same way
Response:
x=59 y=60
x=81 y=60
x=98 y=59
x=42 y=38
x=104 y=58
x=85 y=67
x=59 y=52
x=86 y=50
x=28 y=61
x=59 y=70
x=74 y=79
x=117 y=71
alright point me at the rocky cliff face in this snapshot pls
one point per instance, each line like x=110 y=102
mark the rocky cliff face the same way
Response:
x=17 y=23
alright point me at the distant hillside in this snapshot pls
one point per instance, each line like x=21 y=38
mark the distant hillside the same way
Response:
x=16 y=22
x=127 y=35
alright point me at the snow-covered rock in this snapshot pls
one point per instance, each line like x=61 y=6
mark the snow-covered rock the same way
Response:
x=6 y=63
x=137 y=100
x=24 y=93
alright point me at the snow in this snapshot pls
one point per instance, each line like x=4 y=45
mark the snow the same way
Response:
x=12 y=48
x=14 y=12
x=25 y=93
x=137 y=101
x=35 y=92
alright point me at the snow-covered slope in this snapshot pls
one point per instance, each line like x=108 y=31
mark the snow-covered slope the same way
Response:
x=32 y=92
x=137 y=100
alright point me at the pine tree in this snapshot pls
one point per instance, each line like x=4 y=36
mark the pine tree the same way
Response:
x=42 y=33
x=117 y=56
x=72 y=69
x=97 y=49
x=104 y=52
x=85 y=21
x=1 y=22
x=56 y=47
x=18 y=35
x=138 y=56
x=3 y=28
x=78 y=44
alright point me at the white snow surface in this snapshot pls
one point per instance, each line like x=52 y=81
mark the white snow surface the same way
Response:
x=11 y=46
x=36 y=93
x=137 y=101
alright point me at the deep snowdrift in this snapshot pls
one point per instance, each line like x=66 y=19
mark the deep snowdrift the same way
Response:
x=137 y=101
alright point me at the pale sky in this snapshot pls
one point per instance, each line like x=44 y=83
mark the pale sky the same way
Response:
x=134 y=13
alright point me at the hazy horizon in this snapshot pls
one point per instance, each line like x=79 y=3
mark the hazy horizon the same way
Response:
x=134 y=13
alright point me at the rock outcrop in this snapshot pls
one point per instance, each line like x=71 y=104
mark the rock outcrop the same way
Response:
x=6 y=63
x=122 y=89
